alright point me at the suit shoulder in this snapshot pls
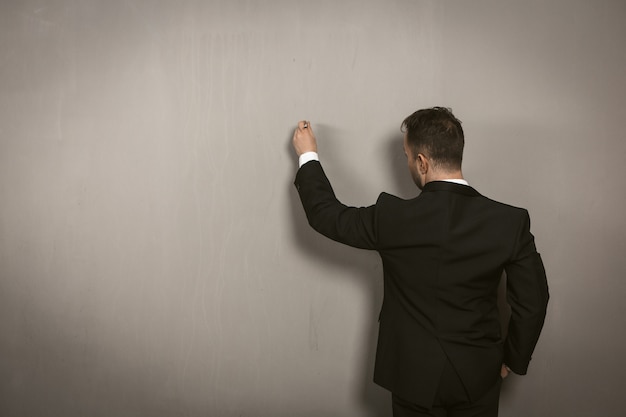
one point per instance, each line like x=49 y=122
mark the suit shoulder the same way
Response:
x=504 y=206
x=391 y=200
x=506 y=209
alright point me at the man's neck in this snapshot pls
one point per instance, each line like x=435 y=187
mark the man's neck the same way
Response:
x=443 y=176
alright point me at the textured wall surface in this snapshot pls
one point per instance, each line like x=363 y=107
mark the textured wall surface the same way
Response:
x=155 y=261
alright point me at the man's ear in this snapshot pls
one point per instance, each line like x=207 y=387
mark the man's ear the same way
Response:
x=422 y=163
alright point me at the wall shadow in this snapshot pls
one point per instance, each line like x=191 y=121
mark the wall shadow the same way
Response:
x=392 y=149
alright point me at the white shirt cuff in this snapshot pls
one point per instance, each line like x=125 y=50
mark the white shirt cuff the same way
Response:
x=308 y=157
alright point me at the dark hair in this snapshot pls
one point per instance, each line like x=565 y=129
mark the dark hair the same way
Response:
x=437 y=134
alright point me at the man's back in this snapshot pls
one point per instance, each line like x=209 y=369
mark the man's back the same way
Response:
x=443 y=255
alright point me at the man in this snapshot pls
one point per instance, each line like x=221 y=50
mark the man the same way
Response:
x=440 y=351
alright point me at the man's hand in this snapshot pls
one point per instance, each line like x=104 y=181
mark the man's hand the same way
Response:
x=504 y=372
x=304 y=138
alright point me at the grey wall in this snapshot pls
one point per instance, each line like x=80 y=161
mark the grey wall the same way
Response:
x=154 y=259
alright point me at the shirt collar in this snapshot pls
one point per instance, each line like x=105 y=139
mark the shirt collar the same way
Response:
x=457 y=181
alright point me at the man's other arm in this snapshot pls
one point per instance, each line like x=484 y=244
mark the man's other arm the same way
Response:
x=527 y=294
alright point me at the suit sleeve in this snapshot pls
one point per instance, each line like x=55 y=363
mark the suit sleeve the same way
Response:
x=353 y=226
x=527 y=294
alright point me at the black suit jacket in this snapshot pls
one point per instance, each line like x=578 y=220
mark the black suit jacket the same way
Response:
x=443 y=255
